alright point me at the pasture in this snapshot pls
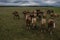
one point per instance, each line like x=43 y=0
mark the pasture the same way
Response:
x=11 y=29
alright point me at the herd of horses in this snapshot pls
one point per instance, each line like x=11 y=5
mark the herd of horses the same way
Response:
x=31 y=19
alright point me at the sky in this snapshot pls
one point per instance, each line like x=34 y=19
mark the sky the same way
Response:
x=29 y=2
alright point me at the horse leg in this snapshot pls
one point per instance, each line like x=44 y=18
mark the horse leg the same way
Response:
x=18 y=17
x=14 y=17
x=45 y=28
x=50 y=32
x=33 y=26
x=28 y=27
x=42 y=28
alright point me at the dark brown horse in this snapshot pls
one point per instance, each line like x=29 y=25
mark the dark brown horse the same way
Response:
x=51 y=25
x=26 y=14
x=16 y=15
x=39 y=14
x=50 y=11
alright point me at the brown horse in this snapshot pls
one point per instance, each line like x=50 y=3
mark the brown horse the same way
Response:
x=26 y=13
x=51 y=25
x=28 y=22
x=44 y=14
x=54 y=15
x=16 y=15
x=34 y=19
x=39 y=14
x=50 y=11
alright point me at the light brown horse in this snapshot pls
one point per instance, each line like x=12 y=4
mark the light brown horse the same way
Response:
x=34 y=19
x=43 y=24
x=55 y=15
x=28 y=22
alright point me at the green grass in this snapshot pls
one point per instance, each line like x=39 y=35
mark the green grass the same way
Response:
x=11 y=29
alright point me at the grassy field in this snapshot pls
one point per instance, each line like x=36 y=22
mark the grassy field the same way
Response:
x=11 y=29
